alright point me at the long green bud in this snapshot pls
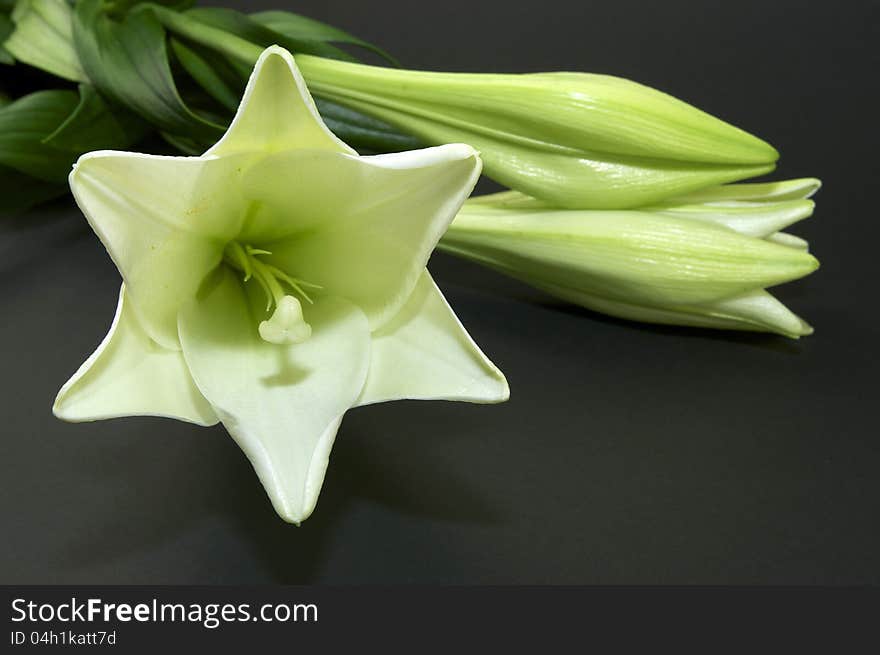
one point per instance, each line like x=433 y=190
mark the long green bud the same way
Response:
x=703 y=260
x=574 y=140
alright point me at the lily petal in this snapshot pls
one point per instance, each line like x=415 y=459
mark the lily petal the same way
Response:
x=380 y=218
x=164 y=221
x=131 y=375
x=281 y=404
x=424 y=353
x=277 y=112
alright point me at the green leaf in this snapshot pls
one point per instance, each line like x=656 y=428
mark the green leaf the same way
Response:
x=119 y=8
x=128 y=63
x=301 y=27
x=362 y=132
x=6 y=27
x=244 y=27
x=97 y=124
x=212 y=73
x=42 y=38
x=19 y=191
x=25 y=123
x=43 y=133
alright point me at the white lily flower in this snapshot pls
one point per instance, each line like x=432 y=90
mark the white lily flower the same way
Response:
x=275 y=282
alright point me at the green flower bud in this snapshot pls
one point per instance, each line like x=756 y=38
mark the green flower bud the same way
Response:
x=701 y=260
x=575 y=140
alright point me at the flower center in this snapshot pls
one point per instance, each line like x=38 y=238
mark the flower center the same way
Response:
x=286 y=325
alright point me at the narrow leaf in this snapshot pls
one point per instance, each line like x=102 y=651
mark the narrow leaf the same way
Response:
x=96 y=124
x=43 y=133
x=128 y=63
x=6 y=27
x=250 y=30
x=302 y=27
x=25 y=123
x=213 y=74
x=121 y=7
x=362 y=132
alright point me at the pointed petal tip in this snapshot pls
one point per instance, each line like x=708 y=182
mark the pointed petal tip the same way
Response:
x=64 y=410
x=277 y=52
x=286 y=514
x=291 y=510
x=803 y=329
x=274 y=50
x=771 y=152
x=746 y=148
x=481 y=395
x=808 y=207
x=800 y=263
x=460 y=150
x=425 y=157
x=811 y=264
x=58 y=410
x=277 y=110
x=492 y=393
x=505 y=390
x=811 y=186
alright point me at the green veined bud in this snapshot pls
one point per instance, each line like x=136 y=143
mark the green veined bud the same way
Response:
x=703 y=260
x=575 y=140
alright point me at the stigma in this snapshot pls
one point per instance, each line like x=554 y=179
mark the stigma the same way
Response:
x=286 y=325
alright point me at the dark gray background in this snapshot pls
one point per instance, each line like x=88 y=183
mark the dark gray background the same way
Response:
x=627 y=454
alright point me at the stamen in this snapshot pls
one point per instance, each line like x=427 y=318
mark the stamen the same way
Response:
x=293 y=282
x=265 y=287
x=262 y=273
x=286 y=325
x=237 y=256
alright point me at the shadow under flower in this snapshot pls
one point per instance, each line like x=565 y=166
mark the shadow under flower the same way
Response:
x=162 y=491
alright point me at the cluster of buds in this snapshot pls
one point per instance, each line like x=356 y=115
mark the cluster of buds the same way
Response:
x=704 y=259
x=620 y=196
x=575 y=140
